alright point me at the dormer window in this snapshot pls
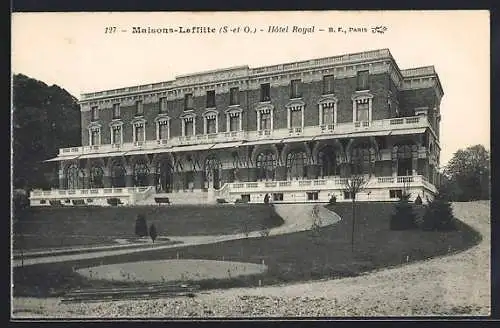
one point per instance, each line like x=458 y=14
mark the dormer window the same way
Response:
x=265 y=92
x=328 y=83
x=163 y=105
x=94 y=113
x=139 y=109
x=211 y=99
x=234 y=94
x=188 y=101
x=295 y=89
x=363 y=80
x=116 y=111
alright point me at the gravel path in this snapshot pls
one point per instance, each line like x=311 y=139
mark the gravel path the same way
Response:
x=454 y=285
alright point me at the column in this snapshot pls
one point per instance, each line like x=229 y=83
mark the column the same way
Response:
x=62 y=178
x=302 y=113
x=227 y=122
x=183 y=128
x=320 y=113
x=288 y=114
x=370 y=110
x=240 y=120
x=272 y=119
x=258 y=120
x=354 y=111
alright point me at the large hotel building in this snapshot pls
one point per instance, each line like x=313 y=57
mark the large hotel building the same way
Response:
x=294 y=131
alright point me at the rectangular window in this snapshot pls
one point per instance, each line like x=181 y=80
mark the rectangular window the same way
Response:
x=245 y=198
x=265 y=92
x=188 y=101
x=211 y=99
x=139 y=133
x=94 y=113
x=328 y=81
x=116 y=135
x=163 y=130
x=211 y=126
x=296 y=118
x=188 y=128
x=163 y=105
x=95 y=137
x=347 y=195
x=362 y=111
x=397 y=193
x=295 y=89
x=312 y=196
x=328 y=113
x=234 y=123
x=116 y=111
x=265 y=121
x=234 y=96
x=363 y=81
x=277 y=197
x=139 y=109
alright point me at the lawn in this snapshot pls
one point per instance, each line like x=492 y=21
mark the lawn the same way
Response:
x=57 y=227
x=293 y=257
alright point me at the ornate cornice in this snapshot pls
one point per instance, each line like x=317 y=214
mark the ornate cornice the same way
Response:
x=295 y=103
x=264 y=106
x=361 y=95
x=344 y=66
x=327 y=98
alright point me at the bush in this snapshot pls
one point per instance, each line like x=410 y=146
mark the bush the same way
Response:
x=221 y=201
x=56 y=203
x=418 y=200
x=438 y=216
x=152 y=232
x=141 y=226
x=78 y=202
x=403 y=218
x=333 y=200
x=266 y=199
x=114 y=201
x=240 y=201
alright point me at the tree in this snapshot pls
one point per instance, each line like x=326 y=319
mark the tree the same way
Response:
x=152 y=232
x=45 y=118
x=467 y=175
x=438 y=215
x=352 y=186
x=141 y=226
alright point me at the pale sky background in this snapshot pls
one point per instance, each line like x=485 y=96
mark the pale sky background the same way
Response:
x=73 y=51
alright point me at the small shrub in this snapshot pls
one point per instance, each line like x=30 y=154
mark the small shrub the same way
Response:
x=403 y=218
x=333 y=200
x=418 y=200
x=266 y=199
x=152 y=232
x=56 y=203
x=141 y=226
x=265 y=232
x=439 y=216
x=221 y=201
x=240 y=201
x=78 y=202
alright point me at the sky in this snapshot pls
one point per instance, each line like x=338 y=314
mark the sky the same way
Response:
x=74 y=51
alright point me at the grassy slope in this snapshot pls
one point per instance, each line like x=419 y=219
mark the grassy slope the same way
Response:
x=293 y=257
x=55 y=227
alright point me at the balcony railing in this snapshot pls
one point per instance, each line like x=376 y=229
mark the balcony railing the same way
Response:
x=100 y=192
x=308 y=131
x=329 y=183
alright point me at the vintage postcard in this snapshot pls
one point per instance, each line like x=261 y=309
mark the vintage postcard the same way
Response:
x=223 y=165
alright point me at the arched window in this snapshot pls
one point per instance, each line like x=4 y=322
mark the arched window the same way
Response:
x=163 y=176
x=327 y=162
x=117 y=175
x=266 y=164
x=360 y=161
x=296 y=165
x=141 y=172
x=96 y=177
x=404 y=156
x=74 y=177
x=212 y=172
